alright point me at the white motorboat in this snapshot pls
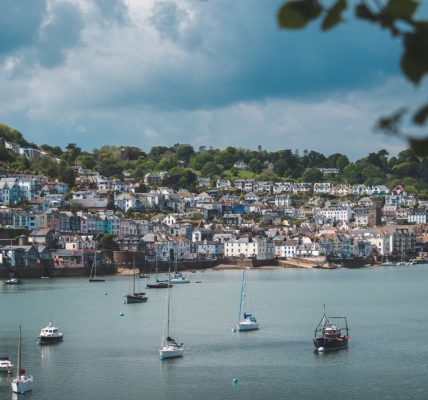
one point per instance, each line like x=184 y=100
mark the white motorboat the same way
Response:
x=50 y=334
x=178 y=278
x=5 y=365
x=22 y=383
x=13 y=281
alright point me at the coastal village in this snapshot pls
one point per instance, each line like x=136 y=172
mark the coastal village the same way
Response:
x=50 y=230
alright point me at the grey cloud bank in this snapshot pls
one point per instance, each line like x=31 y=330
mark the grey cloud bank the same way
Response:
x=212 y=73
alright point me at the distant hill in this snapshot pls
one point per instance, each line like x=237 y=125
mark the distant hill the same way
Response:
x=185 y=165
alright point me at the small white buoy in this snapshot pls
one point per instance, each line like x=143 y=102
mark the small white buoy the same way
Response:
x=121 y=314
x=321 y=349
x=233 y=329
x=235 y=381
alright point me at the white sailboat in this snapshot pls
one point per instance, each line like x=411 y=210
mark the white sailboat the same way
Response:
x=93 y=275
x=246 y=321
x=170 y=348
x=21 y=383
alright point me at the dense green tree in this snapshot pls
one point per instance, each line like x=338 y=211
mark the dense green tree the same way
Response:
x=6 y=155
x=52 y=150
x=106 y=242
x=158 y=151
x=86 y=161
x=184 y=152
x=352 y=174
x=181 y=178
x=255 y=165
x=210 y=169
x=312 y=175
x=313 y=159
x=200 y=159
x=225 y=158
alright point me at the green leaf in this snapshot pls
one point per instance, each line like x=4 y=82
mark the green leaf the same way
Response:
x=334 y=15
x=296 y=14
x=414 y=61
x=421 y=115
x=363 y=12
x=419 y=146
x=401 y=9
x=390 y=124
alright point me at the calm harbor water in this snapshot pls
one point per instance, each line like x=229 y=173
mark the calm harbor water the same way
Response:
x=107 y=356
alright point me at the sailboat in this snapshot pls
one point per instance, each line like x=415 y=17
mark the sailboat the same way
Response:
x=159 y=284
x=135 y=297
x=178 y=277
x=93 y=275
x=21 y=383
x=170 y=348
x=246 y=321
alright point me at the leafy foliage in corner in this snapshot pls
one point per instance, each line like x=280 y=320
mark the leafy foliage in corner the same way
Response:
x=396 y=16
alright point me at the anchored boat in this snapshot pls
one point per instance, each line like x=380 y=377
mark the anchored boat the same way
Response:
x=328 y=334
x=22 y=383
x=50 y=334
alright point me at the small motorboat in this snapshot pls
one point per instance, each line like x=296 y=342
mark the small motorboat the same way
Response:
x=178 y=278
x=144 y=276
x=328 y=336
x=50 y=334
x=13 y=281
x=5 y=365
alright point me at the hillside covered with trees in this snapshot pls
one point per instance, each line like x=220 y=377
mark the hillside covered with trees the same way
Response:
x=185 y=165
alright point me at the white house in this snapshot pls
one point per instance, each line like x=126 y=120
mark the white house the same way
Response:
x=259 y=248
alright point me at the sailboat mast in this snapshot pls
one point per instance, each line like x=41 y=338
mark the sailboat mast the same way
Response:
x=133 y=281
x=19 y=353
x=169 y=301
x=175 y=257
x=242 y=293
x=156 y=263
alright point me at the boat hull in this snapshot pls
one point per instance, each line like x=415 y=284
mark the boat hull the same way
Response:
x=171 y=352
x=179 y=281
x=96 y=280
x=22 y=385
x=247 y=326
x=160 y=285
x=13 y=281
x=323 y=344
x=132 y=299
x=51 y=339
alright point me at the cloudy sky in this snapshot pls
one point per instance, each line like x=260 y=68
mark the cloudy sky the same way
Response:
x=204 y=72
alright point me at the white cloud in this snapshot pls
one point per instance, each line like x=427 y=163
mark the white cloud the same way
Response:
x=217 y=73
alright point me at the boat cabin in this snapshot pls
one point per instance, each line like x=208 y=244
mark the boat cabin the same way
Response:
x=331 y=332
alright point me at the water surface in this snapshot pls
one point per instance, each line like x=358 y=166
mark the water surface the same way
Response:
x=108 y=356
